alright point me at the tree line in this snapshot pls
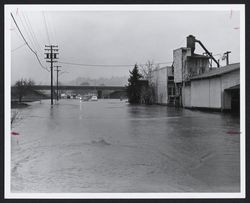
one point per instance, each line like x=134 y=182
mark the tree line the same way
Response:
x=140 y=90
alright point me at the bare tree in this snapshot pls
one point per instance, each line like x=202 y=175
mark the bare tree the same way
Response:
x=148 y=94
x=23 y=86
x=146 y=70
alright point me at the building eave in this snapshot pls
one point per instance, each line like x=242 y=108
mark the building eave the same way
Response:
x=217 y=72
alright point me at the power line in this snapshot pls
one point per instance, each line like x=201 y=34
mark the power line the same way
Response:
x=29 y=31
x=17 y=34
x=18 y=47
x=94 y=65
x=63 y=72
x=27 y=43
x=106 y=65
x=51 y=28
x=219 y=54
x=32 y=33
x=46 y=27
x=25 y=30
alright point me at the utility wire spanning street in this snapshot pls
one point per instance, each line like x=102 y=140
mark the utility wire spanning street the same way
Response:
x=111 y=146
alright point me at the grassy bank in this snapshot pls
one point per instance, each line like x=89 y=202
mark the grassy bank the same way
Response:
x=16 y=105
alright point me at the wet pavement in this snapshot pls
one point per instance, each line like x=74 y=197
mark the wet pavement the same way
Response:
x=111 y=146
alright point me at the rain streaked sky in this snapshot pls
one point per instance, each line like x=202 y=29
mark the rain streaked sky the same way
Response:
x=115 y=37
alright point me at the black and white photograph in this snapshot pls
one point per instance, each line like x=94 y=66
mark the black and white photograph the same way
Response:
x=124 y=101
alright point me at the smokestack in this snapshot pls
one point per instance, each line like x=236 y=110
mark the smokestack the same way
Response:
x=191 y=43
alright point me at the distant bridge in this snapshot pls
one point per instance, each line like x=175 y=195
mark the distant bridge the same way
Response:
x=78 y=87
x=101 y=91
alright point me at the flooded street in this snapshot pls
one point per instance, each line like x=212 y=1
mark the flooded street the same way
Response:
x=111 y=146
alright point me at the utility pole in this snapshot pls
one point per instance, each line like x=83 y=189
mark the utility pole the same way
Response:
x=227 y=56
x=57 y=93
x=52 y=55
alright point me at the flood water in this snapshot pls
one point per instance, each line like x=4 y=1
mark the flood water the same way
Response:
x=111 y=146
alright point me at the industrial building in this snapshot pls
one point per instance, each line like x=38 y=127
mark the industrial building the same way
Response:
x=192 y=82
x=216 y=89
x=162 y=80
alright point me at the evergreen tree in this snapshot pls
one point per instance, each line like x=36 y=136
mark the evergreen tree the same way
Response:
x=134 y=88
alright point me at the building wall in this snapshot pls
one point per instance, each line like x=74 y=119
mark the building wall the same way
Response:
x=195 y=66
x=215 y=92
x=177 y=65
x=200 y=93
x=229 y=80
x=170 y=71
x=180 y=63
x=154 y=82
x=206 y=93
x=160 y=83
x=162 y=97
x=210 y=92
x=186 y=96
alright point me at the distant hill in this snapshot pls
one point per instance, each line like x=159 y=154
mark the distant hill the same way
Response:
x=113 y=81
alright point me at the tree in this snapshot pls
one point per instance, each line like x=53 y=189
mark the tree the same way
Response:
x=134 y=88
x=148 y=94
x=23 y=86
x=147 y=70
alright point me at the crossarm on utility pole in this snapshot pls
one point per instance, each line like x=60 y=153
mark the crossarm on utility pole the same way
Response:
x=51 y=55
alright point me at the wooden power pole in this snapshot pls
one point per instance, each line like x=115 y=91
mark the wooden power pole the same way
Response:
x=51 y=54
x=57 y=92
x=227 y=56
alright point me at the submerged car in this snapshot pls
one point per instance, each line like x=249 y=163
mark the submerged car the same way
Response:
x=93 y=98
x=78 y=97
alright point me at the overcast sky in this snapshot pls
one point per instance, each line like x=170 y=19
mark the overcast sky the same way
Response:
x=116 y=37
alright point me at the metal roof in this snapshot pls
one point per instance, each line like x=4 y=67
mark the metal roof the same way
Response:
x=236 y=87
x=217 y=71
x=198 y=56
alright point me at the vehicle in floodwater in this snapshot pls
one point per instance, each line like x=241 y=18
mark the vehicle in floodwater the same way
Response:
x=93 y=98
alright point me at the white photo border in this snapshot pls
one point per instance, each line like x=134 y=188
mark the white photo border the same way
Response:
x=142 y=7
